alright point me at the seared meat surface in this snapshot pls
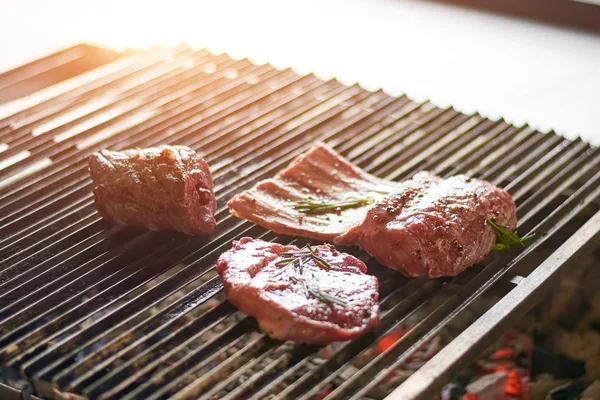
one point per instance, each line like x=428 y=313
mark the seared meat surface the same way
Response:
x=159 y=188
x=433 y=227
x=425 y=226
x=305 y=300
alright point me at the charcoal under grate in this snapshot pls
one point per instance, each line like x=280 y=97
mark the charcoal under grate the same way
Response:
x=101 y=311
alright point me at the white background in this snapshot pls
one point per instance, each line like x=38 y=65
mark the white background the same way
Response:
x=547 y=76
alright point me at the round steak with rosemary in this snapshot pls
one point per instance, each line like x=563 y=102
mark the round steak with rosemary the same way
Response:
x=314 y=295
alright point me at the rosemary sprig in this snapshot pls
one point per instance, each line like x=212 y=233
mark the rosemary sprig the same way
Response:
x=285 y=261
x=506 y=239
x=303 y=256
x=296 y=261
x=310 y=207
x=322 y=263
x=326 y=298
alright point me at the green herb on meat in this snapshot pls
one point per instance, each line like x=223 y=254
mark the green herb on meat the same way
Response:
x=506 y=239
x=295 y=261
x=326 y=298
x=310 y=207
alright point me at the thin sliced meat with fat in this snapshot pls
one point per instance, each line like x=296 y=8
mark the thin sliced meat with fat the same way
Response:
x=306 y=302
x=320 y=175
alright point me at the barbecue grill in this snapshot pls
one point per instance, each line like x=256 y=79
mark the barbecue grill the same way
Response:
x=90 y=309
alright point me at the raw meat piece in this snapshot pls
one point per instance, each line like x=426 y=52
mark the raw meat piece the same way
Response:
x=319 y=175
x=310 y=303
x=159 y=188
x=433 y=227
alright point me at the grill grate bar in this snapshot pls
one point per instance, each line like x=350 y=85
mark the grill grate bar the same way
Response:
x=420 y=151
x=419 y=138
x=150 y=107
x=543 y=203
x=84 y=373
x=85 y=307
x=444 y=149
x=242 y=391
x=79 y=88
x=521 y=188
x=482 y=147
x=40 y=66
x=584 y=160
x=191 y=358
x=542 y=198
x=399 y=129
x=534 y=142
x=36 y=129
x=55 y=204
x=225 y=374
x=530 y=159
x=151 y=329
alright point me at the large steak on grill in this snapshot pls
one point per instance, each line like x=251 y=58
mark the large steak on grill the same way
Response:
x=432 y=226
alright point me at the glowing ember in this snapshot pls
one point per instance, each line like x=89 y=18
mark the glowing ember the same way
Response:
x=514 y=385
x=388 y=340
x=503 y=354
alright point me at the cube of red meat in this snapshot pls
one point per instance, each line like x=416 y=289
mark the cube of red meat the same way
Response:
x=159 y=188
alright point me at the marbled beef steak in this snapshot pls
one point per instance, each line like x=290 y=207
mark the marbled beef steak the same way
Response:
x=433 y=227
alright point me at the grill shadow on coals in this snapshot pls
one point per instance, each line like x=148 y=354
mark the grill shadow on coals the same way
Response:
x=102 y=311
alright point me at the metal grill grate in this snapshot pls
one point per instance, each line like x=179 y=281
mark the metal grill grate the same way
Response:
x=110 y=312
